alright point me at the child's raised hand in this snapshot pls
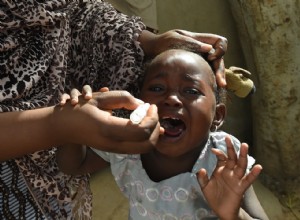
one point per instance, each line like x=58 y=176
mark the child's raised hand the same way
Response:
x=225 y=189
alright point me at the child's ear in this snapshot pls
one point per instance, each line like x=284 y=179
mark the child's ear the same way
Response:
x=219 y=116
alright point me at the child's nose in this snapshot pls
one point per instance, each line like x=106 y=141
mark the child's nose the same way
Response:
x=173 y=100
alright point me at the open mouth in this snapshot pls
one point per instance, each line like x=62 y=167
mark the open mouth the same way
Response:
x=174 y=127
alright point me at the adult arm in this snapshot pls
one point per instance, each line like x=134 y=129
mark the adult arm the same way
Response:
x=26 y=132
x=32 y=130
x=78 y=159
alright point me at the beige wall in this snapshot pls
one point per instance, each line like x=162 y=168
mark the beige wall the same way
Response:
x=212 y=16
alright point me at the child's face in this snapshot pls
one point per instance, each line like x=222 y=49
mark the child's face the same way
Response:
x=181 y=84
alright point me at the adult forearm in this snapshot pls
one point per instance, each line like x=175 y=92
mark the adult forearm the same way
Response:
x=33 y=130
x=70 y=158
x=147 y=40
x=26 y=132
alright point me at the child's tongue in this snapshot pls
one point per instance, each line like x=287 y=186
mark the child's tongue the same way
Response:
x=173 y=127
x=174 y=132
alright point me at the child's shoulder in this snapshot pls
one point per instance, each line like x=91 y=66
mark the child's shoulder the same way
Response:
x=218 y=140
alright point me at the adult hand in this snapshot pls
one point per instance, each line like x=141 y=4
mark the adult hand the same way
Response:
x=225 y=189
x=154 y=44
x=74 y=94
x=90 y=122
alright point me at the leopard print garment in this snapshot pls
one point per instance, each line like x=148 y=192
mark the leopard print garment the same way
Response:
x=46 y=48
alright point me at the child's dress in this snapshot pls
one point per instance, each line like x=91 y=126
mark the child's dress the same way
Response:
x=179 y=197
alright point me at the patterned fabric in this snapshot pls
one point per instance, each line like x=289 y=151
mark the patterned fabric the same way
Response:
x=48 y=47
x=178 y=197
x=10 y=194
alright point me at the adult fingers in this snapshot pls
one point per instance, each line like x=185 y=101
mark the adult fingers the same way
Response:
x=87 y=91
x=63 y=99
x=213 y=44
x=219 y=43
x=195 y=40
x=130 y=138
x=115 y=100
x=216 y=56
x=104 y=89
x=122 y=129
x=148 y=142
x=219 y=68
x=150 y=116
x=220 y=47
x=74 y=96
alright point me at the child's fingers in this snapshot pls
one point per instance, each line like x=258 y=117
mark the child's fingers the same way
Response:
x=252 y=175
x=231 y=154
x=87 y=91
x=242 y=161
x=202 y=178
x=222 y=158
x=64 y=98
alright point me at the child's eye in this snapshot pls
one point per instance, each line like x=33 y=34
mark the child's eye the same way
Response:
x=156 y=88
x=192 y=91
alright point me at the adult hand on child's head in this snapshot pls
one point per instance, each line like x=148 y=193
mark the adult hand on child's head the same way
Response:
x=91 y=123
x=204 y=41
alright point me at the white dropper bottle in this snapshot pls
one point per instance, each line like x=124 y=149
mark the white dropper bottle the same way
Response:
x=139 y=113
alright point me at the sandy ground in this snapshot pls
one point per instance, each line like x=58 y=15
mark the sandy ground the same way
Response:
x=110 y=204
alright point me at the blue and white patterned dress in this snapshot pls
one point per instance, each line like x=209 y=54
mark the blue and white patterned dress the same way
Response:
x=178 y=197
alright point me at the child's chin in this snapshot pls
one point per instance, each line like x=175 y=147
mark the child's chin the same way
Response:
x=166 y=138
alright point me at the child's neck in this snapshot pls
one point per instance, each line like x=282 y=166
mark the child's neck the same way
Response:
x=160 y=167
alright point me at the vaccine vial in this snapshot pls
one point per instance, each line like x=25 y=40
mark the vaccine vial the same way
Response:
x=139 y=113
